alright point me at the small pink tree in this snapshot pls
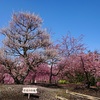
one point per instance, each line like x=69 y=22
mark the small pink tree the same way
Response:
x=53 y=57
x=70 y=47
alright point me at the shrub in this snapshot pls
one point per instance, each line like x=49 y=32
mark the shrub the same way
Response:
x=98 y=84
x=63 y=81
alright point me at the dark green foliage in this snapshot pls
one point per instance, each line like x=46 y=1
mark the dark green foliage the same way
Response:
x=79 y=77
x=93 y=81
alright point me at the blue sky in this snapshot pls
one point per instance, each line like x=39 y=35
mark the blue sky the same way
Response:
x=60 y=17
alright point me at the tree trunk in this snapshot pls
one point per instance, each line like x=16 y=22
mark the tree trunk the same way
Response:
x=17 y=81
x=33 y=78
x=50 y=78
x=88 y=83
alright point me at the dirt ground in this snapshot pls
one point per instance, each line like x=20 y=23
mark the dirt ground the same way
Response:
x=93 y=91
x=14 y=92
x=45 y=92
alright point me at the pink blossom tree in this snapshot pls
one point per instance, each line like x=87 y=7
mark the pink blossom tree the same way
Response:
x=90 y=64
x=53 y=57
x=69 y=50
x=41 y=75
x=23 y=37
x=71 y=45
x=85 y=64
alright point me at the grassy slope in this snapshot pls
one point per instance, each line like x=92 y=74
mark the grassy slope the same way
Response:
x=14 y=92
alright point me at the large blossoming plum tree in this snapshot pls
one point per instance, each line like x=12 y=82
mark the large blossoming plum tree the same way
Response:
x=25 y=38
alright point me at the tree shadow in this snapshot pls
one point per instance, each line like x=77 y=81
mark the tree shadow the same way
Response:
x=49 y=85
x=32 y=96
